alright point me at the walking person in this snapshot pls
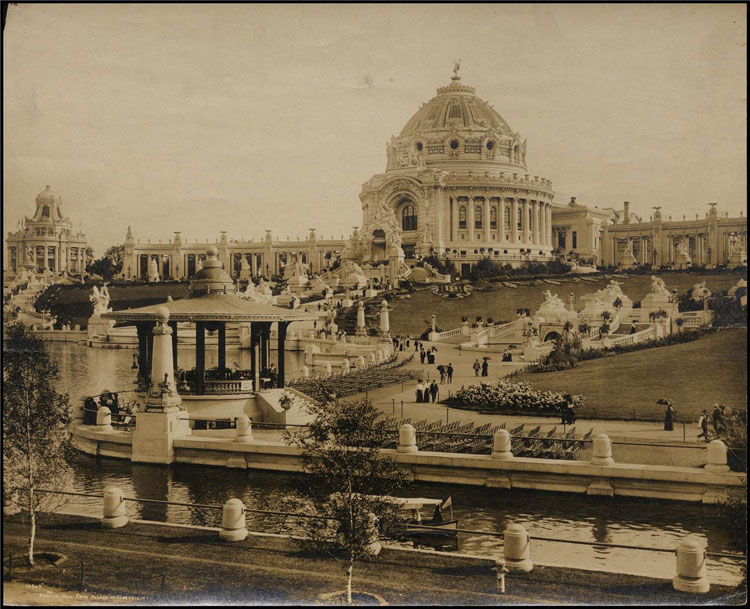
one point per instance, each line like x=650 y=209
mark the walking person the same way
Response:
x=420 y=392
x=703 y=424
x=441 y=370
x=434 y=390
x=430 y=357
x=485 y=367
x=422 y=356
x=717 y=419
x=449 y=372
x=669 y=417
x=476 y=367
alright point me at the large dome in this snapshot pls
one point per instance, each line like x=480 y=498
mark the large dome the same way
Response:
x=456 y=125
x=46 y=196
x=455 y=106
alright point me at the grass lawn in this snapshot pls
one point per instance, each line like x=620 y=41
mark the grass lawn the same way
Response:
x=409 y=315
x=693 y=375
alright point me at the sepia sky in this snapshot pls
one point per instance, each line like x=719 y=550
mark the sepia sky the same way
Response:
x=201 y=118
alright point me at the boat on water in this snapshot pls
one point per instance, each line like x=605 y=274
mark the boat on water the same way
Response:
x=435 y=531
x=551 y=281
x=509 y=284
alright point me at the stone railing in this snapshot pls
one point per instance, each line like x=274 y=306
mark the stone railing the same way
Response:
x=633 y=339
x=449 y=333
x=695 y=319
x=505 y=329
x=217 y=387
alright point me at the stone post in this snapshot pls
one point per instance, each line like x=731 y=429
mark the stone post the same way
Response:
x=691 y=567
x=361 y=329
x=164 y=418
x=516 y=548
x=305 y=372
x=327 y=367
x=360 y=361
x=244 y=429
x=103 y=419
x=385 y=323
x=233 y=521
x=114 y=515
x=717 y=457
x=345 y=365
x=602 y=450
x=501 y=445
x=407 y=439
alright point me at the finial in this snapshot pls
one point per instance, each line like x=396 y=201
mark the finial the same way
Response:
x=456 y=68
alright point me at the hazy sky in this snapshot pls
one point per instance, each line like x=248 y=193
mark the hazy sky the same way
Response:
x=203 y=118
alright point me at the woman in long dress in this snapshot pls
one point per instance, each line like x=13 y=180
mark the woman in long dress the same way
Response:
x=669 y=417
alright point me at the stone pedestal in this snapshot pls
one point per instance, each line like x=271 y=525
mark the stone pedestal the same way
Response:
x=629 y=262
x=682 y=260
x=99 y=328
x=155 y=432
x=407 y=439
x=691 y=568
x=516 y=548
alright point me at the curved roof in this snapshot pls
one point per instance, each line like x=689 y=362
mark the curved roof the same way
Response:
x=212 y=307
x=455 y=106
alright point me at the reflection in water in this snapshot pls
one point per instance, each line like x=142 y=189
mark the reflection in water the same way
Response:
x=85 y=371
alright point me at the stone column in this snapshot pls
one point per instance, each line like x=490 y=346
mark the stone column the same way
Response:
x=255 y=355
x=486 y=221
x=173 y=325
x=514 y=221
x=200 y=357
x=501 y=220
x=281 y=336
x=385 y=324
x=361 y=330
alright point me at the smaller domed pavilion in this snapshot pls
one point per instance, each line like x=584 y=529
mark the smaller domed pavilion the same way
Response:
x=212 y=302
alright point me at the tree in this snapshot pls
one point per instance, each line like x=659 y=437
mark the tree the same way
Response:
x=36 y=442
x=348 y=481
x=584 y=327
x=604 y=329
x=110 y=264
x=617 y=304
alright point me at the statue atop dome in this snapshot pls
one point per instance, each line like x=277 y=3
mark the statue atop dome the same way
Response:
x=456 y=68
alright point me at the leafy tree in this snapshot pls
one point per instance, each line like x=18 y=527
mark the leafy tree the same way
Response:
x=617 y=304
x=606 y=315
x=348 y=480
x=604 y=329
x=36 y=442
x=567 y=327
x=110 y=264
x=584 y=327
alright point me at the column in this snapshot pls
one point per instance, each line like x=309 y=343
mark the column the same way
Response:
x=254 y=355
x=514 y=221
x=253 y=265
x=281 y=340
x=486 y=221
x=525 y=222
x=540 y=235
x=549 y=220
x=265 y=330
x=454 y=236
x=143 y=371
x=150 y=343
x=200 y=357
x=501 y=219
x=173 y=325
x=222 y=344
x=535 y=222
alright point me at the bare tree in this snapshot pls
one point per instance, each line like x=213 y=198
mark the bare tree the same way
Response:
x=36 y=440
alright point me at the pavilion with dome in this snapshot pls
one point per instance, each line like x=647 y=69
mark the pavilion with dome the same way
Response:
x=46 y=243
x=212 y=302
x=456 y=184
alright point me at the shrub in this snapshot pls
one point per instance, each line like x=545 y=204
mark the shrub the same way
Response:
x=514 y=398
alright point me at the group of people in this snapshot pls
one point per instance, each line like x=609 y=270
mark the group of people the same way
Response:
x=717 y=418
x=484 y=367
x=428 y=355
x=427 y=390
x=507 y=355
x=446 y=373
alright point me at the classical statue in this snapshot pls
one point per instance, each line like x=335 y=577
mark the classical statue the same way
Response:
x=658 y=287
x=100 y=299
x=551 y=300
x=244 y=265
x=629 y=248
x=153 y=271
x=682 y=248
x=456 y=68
x=29 y=254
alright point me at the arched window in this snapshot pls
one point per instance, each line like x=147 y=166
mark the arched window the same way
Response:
x=408 y=218
x=520 y=217
x=462 y=217
x=45 y=212
x=493 y=217
x=478 y=216
x=507 y=217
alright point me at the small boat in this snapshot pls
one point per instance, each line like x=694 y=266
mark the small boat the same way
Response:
x=435 y=532
x=551 y=281
x=509 y=284
x=590 y=279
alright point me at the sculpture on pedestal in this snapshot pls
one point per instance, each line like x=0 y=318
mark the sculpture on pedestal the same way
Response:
x=100 y=299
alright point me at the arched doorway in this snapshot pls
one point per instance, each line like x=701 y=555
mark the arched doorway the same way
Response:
x=378 y=245
x=551 y=336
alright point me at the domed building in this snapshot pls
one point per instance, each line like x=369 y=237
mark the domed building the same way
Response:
x=46 y=242
x=456 y=184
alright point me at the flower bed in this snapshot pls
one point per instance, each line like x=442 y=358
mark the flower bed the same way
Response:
x=513 y=398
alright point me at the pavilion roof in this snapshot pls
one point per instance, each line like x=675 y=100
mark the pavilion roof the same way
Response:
x=212 y=307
